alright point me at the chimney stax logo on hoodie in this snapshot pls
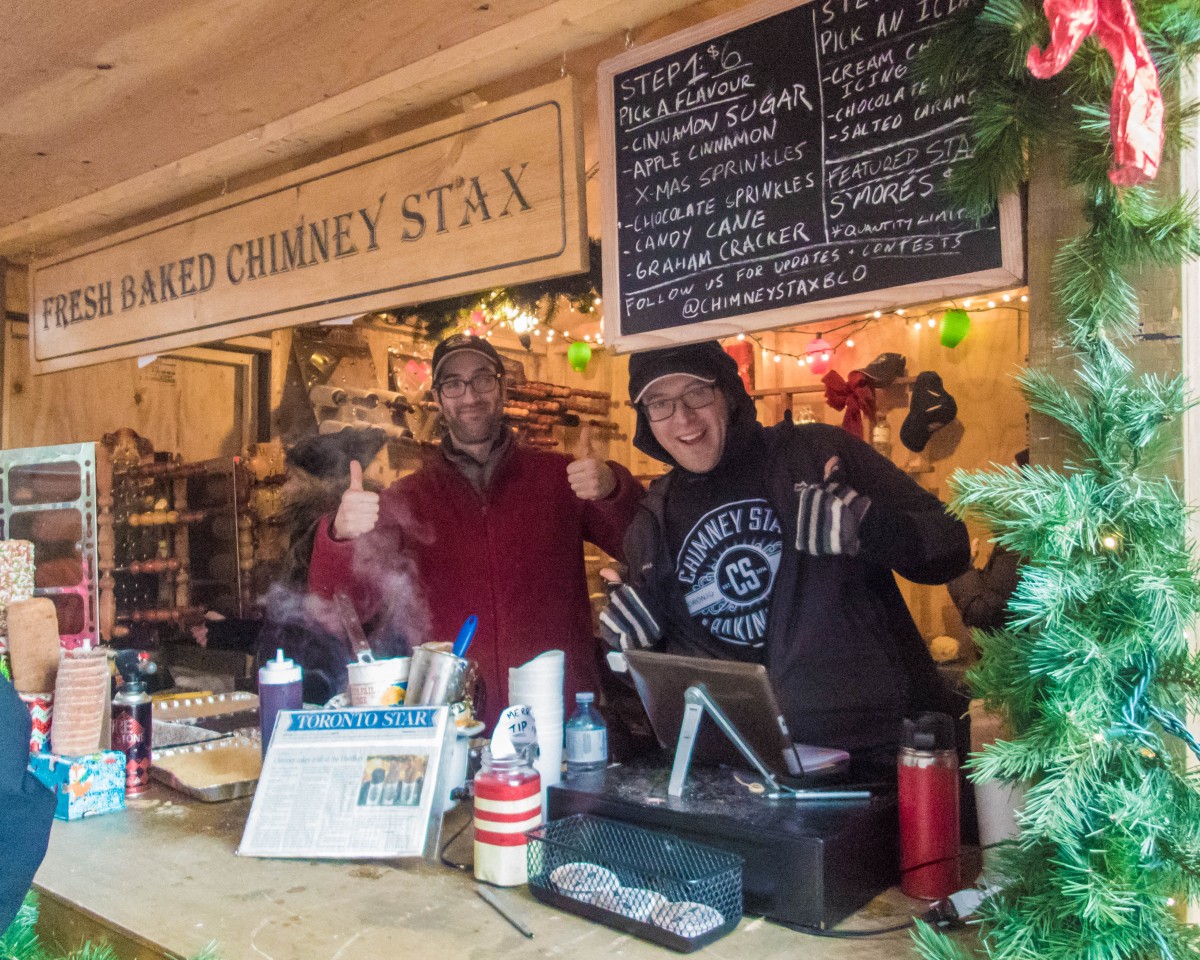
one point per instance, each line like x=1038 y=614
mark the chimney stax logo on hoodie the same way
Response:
x=727 y=566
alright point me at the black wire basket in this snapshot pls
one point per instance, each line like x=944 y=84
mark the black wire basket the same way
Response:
x=655 y=886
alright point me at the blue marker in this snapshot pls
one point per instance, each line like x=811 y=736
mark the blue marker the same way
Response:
x=465 y=636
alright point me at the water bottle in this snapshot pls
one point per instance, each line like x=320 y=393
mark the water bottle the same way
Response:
x=587 y=737
x=280 y=687
x=927 y=782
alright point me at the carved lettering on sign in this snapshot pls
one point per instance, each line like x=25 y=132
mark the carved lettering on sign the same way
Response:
x=492 y=197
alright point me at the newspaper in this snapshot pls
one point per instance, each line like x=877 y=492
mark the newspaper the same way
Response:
x=357 y=783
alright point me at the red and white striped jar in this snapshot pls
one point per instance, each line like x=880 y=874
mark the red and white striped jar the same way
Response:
x=508 y=801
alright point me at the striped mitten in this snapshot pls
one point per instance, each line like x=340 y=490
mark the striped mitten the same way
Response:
x=828 y=519
x=626 y=623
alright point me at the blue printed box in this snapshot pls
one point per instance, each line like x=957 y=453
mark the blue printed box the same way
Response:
x=83 y=786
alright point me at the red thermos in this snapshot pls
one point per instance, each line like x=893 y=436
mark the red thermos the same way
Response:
x=927 y=779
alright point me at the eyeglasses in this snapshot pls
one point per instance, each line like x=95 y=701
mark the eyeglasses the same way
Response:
x=480 y=384
x=693 y=398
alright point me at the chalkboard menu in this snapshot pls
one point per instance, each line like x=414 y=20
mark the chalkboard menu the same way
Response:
x=782 y=165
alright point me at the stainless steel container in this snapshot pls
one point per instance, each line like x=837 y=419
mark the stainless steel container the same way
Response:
x=442 y=679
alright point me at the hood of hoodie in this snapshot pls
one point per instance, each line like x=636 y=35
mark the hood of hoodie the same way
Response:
x=744 y=428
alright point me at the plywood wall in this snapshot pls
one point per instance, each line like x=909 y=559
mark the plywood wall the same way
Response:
x=991 y=426
x=191 y=406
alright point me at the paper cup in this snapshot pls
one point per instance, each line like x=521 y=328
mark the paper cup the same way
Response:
x=41 y=707
x=542 y=659
x=538 y=691
x=536 y=697
x=378 y=683
x=538 y=669
x=541 y=708
x=524 y=694
x=552 y=662
x=550 y=677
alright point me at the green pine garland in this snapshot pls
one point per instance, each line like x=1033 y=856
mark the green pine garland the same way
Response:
x=1093 y=671
x=21 y=941
x=438 y=318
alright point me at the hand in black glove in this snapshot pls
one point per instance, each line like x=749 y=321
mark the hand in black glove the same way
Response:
x=626 y=623
x=829 y=515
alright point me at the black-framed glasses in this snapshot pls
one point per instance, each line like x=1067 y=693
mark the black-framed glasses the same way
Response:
x=481 y=383
x=701 y=395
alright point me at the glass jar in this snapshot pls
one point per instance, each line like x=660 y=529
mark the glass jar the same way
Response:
x=508 y=801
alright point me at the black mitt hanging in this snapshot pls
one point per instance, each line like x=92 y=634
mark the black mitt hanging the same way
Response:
x=931 y=409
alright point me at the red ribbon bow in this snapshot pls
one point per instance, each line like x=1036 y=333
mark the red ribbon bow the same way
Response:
x=856 y=396
x=1137 y=104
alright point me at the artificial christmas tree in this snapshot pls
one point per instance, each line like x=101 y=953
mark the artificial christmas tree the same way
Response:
x=1093 y=671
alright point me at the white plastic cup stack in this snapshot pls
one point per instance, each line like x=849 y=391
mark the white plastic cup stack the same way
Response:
x=539 y=685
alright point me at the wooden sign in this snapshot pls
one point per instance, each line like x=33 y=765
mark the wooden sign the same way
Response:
x=781 y=165
x=492 y=197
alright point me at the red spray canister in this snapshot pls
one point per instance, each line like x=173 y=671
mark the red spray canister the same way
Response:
x=927 y=779
x=132 y=719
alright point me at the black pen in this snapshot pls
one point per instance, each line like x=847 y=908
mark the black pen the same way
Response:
x=490 y=899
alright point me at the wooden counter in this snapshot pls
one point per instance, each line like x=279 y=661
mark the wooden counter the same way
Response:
x=162 y=879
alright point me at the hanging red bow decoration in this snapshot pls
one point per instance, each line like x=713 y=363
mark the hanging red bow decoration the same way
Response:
x=1137 y=104
x=856 y=396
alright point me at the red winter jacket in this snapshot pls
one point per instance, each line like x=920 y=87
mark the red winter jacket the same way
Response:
x=513 y=556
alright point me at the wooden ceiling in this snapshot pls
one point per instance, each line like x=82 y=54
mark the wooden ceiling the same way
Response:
x=117 y=110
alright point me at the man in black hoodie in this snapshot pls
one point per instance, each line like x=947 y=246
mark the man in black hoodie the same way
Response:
x=778 y=546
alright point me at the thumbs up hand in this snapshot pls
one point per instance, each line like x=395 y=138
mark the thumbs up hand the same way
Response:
x=590 y=477
x=359 y=510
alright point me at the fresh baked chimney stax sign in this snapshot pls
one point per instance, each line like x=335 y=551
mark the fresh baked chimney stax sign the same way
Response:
x=488 y=198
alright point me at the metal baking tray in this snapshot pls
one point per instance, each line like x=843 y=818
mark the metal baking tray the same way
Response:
x=168 y=733
x=223 y=713
x=222 y=769
x=214 y=704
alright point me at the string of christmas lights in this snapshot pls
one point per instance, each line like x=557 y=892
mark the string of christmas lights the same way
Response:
x=818 y=355
x=820 y=352
x=486 y=320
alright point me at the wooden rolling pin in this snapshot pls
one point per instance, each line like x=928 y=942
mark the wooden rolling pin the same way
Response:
x=165 y=470
x=159 y=565
x=163 y=615
x=158 y=518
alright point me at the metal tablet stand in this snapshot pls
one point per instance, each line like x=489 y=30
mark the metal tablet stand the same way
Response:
x=696 y=702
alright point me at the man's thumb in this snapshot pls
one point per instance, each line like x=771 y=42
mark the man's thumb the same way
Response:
x=583 y=446
x=355 y=475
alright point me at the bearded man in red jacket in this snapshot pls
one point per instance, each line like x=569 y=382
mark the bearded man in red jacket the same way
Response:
x=484 y=527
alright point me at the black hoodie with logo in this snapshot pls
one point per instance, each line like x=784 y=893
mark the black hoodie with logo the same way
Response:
x=714 y=556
